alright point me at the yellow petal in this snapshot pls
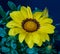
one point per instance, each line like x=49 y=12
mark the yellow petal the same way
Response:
x=42 y=35
x=17 y=16
x=24 y=12
x=47 y=29
x=45 y=12
x=22 y=37
x=12 y=24
x=14 y=31
x=37 y=15
x=37 y=39
x=29 y=12
x=44 y=21
x=29 y=41
x=48 y=20
x=47 y=37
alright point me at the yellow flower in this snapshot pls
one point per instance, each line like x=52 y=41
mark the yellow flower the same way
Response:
x=31 y=27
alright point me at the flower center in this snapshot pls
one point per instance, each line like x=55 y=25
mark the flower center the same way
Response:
x=30 y=25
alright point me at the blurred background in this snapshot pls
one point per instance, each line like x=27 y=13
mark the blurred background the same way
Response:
x=52 y=5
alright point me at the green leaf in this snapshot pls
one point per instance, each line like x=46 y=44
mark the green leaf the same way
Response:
x=7 y=13
x=2 y=12
x=11 y=5
x=18 y=8
x=2 y=32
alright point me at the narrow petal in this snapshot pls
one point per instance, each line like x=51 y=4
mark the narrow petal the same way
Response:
x=45 y=12
x=24 y=12
x=29 y=12
x=37 y=15
x=47 y=20
x=44 y=21
x=47 y=29
x=29 y=41
x=17 y=16
x=44 y=37
x=14 y=31
x=12 y=24
x=47 y=37
x=37 y=39
x=22 y=37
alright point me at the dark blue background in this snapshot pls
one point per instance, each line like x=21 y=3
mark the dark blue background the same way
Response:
x=52 y=5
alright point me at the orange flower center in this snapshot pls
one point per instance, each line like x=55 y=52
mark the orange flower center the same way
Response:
x=30 y=25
